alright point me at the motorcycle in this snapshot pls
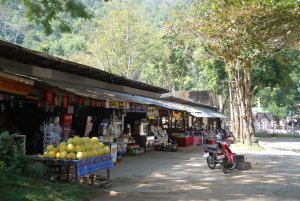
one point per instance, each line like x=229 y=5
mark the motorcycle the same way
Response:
x=222 y=156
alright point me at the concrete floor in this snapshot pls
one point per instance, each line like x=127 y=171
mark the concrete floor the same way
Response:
x=184 y=175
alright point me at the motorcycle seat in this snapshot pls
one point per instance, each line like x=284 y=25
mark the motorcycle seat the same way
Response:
x=211 y=149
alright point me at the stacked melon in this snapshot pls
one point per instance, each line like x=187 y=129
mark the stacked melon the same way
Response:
x=77 y=148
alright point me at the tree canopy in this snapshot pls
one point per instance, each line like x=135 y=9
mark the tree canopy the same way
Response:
x=241 y=49
x=241 y=34
x=45 y=12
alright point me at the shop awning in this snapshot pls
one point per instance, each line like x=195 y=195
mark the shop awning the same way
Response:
x=103 y=94
x=204 y=112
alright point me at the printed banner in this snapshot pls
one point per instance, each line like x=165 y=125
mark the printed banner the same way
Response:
x=135 y=107
x=152 y=111
x=14 y=86
x=92 y=165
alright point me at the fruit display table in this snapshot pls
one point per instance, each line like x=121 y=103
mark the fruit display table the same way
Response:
x=78 y=169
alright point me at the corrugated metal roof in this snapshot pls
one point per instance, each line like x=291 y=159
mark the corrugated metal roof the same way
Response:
x=26 y=56
x=186 y=102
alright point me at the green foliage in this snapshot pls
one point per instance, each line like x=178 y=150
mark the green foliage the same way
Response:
x=146 y=40
x=279 y=80
x=11 y=152
x=22 y=188
x=275 y=100
x=12 y=22
x=48 y=11
x=2 y=167
x=124 y=43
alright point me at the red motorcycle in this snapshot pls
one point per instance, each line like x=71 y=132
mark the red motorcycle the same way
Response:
x=220 y=155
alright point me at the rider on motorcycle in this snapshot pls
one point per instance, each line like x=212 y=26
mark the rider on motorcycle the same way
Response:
x=219 y=139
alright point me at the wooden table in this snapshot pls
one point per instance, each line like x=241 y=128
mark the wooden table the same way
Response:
x=67 y=168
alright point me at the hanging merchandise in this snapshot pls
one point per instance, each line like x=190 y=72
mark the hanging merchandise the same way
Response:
x=49 y=97
x=102 y=104
x=71 y=100
x=123 y=105
x=60 y=101
x=86 y=102
x=111 y=104
x=65 y=101
x=80 y=101
x=107 y=104
x=76 y=101
x=89 y=126
x=177 y=115
x=93 y=103
x=56 y=100
x=66 y=127
x=114 y=104
x=98 y=103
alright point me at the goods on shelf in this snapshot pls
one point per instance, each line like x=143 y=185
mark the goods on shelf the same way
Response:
x=134 y=149
x=52 y=134
x=77 y=148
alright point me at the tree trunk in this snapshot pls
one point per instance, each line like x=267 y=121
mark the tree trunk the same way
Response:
x=242 y=137
x=247 y=98
x=232 y=127
x=237 y=122
x=252 y=127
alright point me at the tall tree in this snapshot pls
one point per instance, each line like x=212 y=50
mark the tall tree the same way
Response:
x=240 y=33
x=124 y=43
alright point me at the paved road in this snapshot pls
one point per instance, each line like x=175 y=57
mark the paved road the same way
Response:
x=275 y=175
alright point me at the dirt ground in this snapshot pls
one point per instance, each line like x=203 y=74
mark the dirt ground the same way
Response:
x=275 y=175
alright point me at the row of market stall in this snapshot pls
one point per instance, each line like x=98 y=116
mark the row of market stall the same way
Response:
x=62 y=110
x=48 y=100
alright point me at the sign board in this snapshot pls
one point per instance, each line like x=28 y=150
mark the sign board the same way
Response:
x=15 y=86
x=152 y=111
x=113 y=152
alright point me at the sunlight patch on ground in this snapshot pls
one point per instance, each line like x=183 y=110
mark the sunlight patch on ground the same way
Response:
x=144 y=185
x=159 y=175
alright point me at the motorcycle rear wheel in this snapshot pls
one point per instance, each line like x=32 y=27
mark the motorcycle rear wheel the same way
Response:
x=225 y=168
x=233 y=164
x=210 y=162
